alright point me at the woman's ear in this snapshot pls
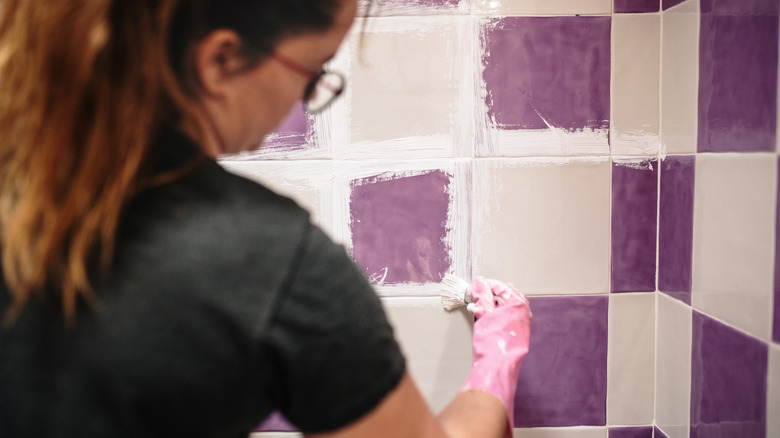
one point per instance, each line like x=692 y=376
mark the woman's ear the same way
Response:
x=217 y=59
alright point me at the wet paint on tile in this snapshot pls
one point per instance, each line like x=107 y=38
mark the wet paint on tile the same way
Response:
x=528 y=89
x=666 y=4
x=776 y=324
x=563 y=380
x=634 y=219
x=728 y=381
x=631 y=432
x=658 y=433
x=275 y=423
x=636 y=6
x=398 y=225
x=675 y=227
x=738 y=75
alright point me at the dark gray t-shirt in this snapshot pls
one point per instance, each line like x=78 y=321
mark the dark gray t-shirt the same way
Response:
x=224 y=304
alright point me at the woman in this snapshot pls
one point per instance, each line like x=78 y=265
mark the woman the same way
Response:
x=146 y=292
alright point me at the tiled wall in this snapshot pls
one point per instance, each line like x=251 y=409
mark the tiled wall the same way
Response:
x=617 y=161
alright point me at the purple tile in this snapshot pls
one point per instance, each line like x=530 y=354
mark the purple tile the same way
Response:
x=776 y=329
x=631 y=432
x=275 y=423
x=293 y=133
x=658 y=433
x=563 y=380
x=728 y=381
x=633 y=6
x=634 y=218
x=738 y=75
x=528 y=88
x=399 y=227
x=675 y=228
x=666 y=4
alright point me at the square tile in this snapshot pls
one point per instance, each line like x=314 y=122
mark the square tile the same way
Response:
x=546 y=105
x=436 y=345
x=631 y=432
x=680 y=85
x=733 y=239
x=543 y=225
x=738 y=76
x=673 y=367
x=634 y=224
x=631 y=360
x=728 y=381
x=636 y=78
x=675 y=226
x=563 y=380
x=773 y=392
x=541 y=7
x=636 y=6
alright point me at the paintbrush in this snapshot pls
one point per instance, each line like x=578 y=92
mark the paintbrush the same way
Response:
x=455 y=293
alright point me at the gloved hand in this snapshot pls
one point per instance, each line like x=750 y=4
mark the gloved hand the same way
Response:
x=501 y=336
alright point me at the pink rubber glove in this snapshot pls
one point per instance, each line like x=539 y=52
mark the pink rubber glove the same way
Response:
x=502 y=333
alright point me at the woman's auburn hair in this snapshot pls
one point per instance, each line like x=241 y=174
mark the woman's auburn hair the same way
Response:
x=84 y=88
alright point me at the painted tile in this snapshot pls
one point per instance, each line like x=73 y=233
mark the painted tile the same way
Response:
x=561 y=432
x=298 y=136
x=680 y=85
x=738 y=75
x=631 y=432
x=636 y=56
x=436 y=346
x=776 y=325
x=541 y=7
x=543 y=225
x=733 y=239
x=275 y=435
x=413 y=7
x=635 y=6
x=631 y=359
x=398 y=225
x=773 y=392
x=666 y=4
x=728 y=381
x=563 y=380
x=675 y=227
x=673 y=363
x=634 y=218
x=658 y=433
x=276 y=423
x=539 y=104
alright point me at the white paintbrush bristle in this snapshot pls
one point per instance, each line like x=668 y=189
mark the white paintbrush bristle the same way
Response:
x=454 y=292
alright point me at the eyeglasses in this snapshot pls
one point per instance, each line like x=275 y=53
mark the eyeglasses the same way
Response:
x=323 y=87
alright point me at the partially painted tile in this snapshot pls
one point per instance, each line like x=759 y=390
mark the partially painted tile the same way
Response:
x=734 y=240
x=275 y=423
x=634 y=219
x=631 y=432
x=673 y=364
x=776 y=316
x=773 y=392
x=562 y=432
x=539 y=104
x=563 y=380
x=413 y=7
x=631 y=359
x=295 y=137
x=658 y=433
x=543 y=225
x=738 y=75
x=728 y=381
x=666 y=4
x=675 y=226
x=541 y=7
x=637 y=6
x=399 y=226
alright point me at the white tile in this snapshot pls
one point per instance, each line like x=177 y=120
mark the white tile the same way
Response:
x=636 y=79
x=562 y=432
x=631 y=359
x=543 y=225
x=680 y=78
x=436 y=344
x=773 y=392
x=733 y=239
x=673 y=362
x=541 y=7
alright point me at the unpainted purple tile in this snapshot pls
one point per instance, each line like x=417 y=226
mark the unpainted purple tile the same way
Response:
x=738 y=75
x=398 y=225
x=293 y=133
x=776 y=327
x=631 y=432
x=728 y=381
x=636 y=6
x=634 y=219
x=275 y=423
x=548 y=72
x=666 y=4
x=563 y=380
x=675 y=227
x=658 y=433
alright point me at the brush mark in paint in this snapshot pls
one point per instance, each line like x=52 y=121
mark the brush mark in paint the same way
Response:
x=564 y=381
x=294 y=133
x=399 y=227
x=675 y=227
x=548 y=71
x=637 y=6
x=738 y=54
x=634 y=222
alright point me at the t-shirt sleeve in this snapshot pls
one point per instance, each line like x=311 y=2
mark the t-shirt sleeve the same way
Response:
x=331 y=347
